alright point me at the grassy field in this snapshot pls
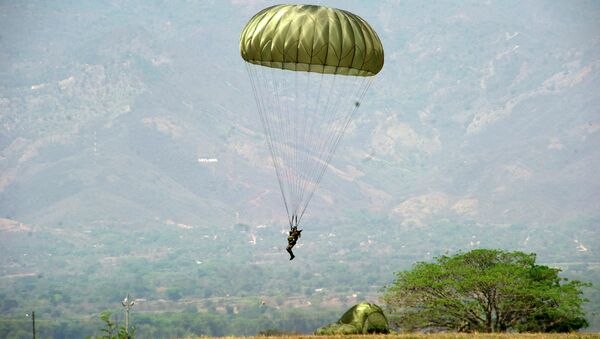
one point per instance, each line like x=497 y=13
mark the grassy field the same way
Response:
x=434 y=336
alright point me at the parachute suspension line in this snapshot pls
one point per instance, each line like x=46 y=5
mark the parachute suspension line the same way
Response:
x=328 y=132
x=280 y=122
x=293 y=137
x=293 y=134
x=308 y=105
x=336 y=141
x=304 y=116
x=273 y=122
x=307 y=140
x=263 y=110
x=285 y=143
x=310 y=110
x=281 y=115
x=324 y=117
x=311 y=105
x=361 y=91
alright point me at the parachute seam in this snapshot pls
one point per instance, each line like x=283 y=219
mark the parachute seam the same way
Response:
x=339 y=24
x=260 y=35
x=328 y=36
x=364 y=47
x=367 y=56
x=285 y=42
x=353 y=39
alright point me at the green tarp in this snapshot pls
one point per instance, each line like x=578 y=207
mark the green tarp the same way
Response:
x=361 y=318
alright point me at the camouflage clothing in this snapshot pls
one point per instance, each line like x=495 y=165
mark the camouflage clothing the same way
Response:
x=292 y=238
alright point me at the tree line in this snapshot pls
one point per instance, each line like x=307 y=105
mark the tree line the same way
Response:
x=483 y=290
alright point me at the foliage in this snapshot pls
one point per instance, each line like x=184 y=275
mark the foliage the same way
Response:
x=204 y=276
x=247 y=322
x=112 y=331
x=485 y=291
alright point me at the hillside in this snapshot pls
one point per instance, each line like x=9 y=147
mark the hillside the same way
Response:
x=482 y=130
x=484 y=115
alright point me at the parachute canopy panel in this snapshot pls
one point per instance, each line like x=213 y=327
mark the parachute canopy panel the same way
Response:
x=312 y=39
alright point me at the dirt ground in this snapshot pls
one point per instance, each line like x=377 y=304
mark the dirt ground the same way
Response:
x=435 y=336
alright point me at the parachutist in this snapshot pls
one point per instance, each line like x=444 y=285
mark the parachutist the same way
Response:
x=292 y=238
x=275 y=76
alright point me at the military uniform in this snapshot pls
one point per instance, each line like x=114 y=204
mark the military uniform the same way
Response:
x=292 y=238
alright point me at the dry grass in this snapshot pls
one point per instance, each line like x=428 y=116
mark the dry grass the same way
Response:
x=433 y=336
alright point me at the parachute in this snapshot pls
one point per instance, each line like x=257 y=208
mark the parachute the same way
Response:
x=363 y=318
x=309 y=67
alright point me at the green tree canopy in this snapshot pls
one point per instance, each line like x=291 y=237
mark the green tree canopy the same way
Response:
x=485 y=291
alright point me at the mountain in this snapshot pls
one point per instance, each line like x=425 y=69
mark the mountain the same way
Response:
x=482 y=129
x=479 y=114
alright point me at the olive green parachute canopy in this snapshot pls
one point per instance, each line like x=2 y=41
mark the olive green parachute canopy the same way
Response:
x=312 y=39
x=361 y=318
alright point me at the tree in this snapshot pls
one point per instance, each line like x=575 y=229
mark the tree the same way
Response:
x=173 y=293
x=485 y=291
x=112 y=331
